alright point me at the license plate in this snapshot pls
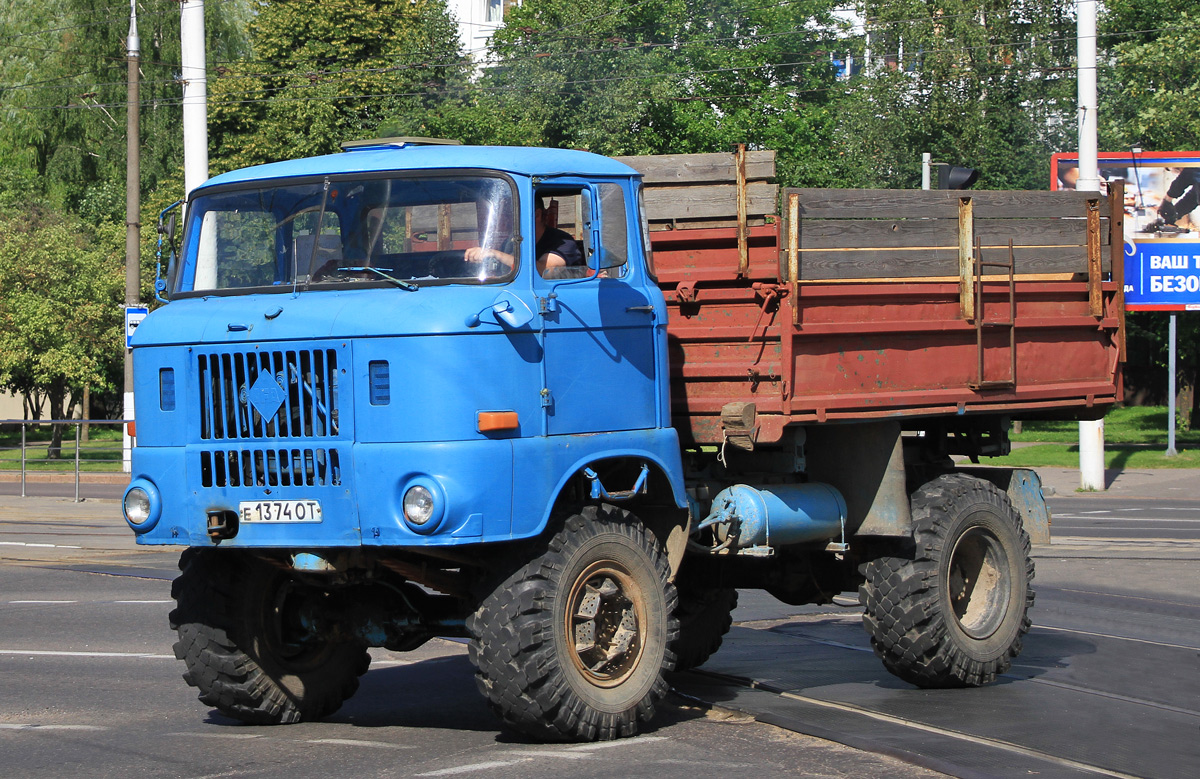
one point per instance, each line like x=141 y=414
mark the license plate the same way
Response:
x=280 y=511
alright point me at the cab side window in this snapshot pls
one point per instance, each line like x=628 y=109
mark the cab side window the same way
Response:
x=569 y=215
x=614 y=237
x=563 y=224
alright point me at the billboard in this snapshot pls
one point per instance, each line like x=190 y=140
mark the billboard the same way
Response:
x=1162 y=223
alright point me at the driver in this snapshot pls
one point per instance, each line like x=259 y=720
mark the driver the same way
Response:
x=554 y=248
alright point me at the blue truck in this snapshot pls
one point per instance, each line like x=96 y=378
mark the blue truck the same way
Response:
x=376 y=410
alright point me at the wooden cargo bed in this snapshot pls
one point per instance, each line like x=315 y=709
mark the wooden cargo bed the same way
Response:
x=872 y=304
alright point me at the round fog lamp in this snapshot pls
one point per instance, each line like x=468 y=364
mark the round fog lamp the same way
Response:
x=418 y=505
x=137 y=506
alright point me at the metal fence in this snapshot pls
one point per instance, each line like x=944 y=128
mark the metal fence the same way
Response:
x=25 y=445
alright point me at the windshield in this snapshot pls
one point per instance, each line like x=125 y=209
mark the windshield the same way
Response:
x=340 y=231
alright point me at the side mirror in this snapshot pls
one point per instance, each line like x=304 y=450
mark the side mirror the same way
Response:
x=508 y=309
x=167 y=230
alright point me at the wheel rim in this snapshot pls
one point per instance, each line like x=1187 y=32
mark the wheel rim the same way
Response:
x=604 y=620
x=979 y=582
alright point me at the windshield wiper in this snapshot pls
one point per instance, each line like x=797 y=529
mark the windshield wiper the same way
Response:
x=408 y=286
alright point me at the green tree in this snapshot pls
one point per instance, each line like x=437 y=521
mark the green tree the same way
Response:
x=324 y=73
x=63 y=98
x=975 y=83
x=665 y=76
x=1149 y=93
x=61 y=290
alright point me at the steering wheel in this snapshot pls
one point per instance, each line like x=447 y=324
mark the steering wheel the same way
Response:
x=452 y=263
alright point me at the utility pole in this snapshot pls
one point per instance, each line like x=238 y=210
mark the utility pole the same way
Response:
x=1091 y=434
x=194 y=75
x=133 y=225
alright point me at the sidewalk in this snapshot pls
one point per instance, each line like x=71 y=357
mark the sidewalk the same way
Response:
x=65 y=477
x=1158 y=483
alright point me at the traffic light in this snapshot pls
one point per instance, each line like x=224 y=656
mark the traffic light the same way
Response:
x=955 y=177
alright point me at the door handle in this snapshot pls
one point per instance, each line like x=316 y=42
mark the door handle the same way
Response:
x=643 y=309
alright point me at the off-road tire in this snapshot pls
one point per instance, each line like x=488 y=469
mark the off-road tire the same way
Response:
x=705 y=616
x=602 y=571
x=225 y=617
x=930 y=620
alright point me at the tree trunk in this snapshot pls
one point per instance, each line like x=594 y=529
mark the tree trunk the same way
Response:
x=86 y=412
x=1185 y=401
x=57 y=395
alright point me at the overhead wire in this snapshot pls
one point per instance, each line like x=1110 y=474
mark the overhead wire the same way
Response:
x=459 y=62
x=309 y=74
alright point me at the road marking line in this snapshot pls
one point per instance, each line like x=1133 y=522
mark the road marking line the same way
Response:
x=38 y=546
x=1131 y=520
x=38 y=602
x=235 y=736
x=463 y=769
x=1102 y=693
x=1121 y=638
x=1148 y=543
x=709 y=764
x=1007 y=746
x=624 y=742
x=33 y=726
x=50 y=653
x=355 y=742
x=1127 y=597
x=549 y=753
x=143 y=601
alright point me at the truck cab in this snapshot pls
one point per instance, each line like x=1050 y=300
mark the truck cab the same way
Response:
x=361 y=350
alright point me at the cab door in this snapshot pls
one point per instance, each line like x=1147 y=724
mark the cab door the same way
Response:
x=599 y=330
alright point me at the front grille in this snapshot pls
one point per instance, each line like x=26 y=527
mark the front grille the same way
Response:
x=270 y=468
x=263 y=394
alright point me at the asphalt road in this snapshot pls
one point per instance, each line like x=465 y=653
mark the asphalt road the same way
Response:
x=1107 y=684
x=89 y=687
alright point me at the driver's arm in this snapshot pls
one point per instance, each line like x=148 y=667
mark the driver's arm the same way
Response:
x=481 y=253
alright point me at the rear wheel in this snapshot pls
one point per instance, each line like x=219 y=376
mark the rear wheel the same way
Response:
x=240 y=634
x=573 y=644
x=705 y=616
x=954 y=613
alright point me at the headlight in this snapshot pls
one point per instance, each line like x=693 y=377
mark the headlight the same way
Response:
x=137 y=506
x=418 y=505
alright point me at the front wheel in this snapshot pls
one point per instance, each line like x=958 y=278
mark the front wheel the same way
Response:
x=954 y=613
x=573 y=643
x=242 y=638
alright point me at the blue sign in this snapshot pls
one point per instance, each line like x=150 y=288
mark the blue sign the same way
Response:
x=133 y=317
x=1162 y=275
x=1162 y=223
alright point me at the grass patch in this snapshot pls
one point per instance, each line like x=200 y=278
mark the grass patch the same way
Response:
x=1116 y=457
x=94 y=455
x=1126 y=425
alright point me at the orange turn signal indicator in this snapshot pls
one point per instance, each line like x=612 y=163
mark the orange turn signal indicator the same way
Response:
x=495 y=421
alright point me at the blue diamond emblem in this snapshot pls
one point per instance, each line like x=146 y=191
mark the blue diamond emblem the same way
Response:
x=266 y=395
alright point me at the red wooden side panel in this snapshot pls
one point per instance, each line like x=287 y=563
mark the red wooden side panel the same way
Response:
x=868 y=350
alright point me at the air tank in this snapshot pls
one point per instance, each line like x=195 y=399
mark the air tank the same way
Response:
x=778 y=514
